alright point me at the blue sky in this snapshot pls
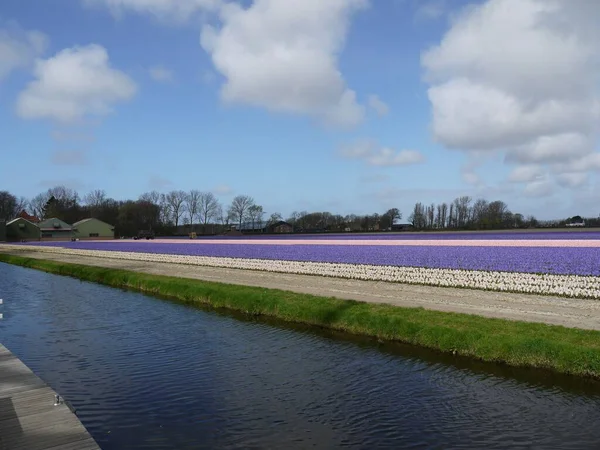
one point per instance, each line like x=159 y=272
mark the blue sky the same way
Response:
x=350 y=106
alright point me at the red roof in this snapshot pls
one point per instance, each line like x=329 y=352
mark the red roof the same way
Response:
x=23 y=214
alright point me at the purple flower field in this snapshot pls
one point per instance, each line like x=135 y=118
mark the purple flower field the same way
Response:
x=556 y=260
x=442 y=235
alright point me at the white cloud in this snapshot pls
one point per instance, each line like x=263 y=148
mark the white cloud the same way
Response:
x=587 y=163
x=520 y=77
x=430 y=9
x=75 y=83
x=374 y=155
x=161 y=9
x=161 y=74
x=69 y=158
x=525 y=174
x=539 y=188
x=471 y=177
x=572 y=179
x=18 y=47
x=158 y=182
x=223 y=189
x=282 y=56
x=378 y=105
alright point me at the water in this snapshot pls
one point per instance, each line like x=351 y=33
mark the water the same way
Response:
x=145 y=373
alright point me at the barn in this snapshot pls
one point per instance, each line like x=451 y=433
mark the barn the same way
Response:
x=93 y=229
x=20 y=229
x=55 y=230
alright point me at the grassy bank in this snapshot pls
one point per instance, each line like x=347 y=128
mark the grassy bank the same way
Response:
x=522 y=344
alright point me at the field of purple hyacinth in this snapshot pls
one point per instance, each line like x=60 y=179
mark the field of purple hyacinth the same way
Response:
x=550 y=260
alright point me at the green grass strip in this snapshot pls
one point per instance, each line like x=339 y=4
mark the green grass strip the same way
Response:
x=523 y=344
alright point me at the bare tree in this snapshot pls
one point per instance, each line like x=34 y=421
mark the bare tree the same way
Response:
x=418 y=216
x=65 y=196
x=152 y=197
x=94 y=200
x=479 y=214
x=8 y=206
x=430 y=215
x=239 y=207
x=274 y=218
x=444 y=215
x=176 y=201
x=255 y=213
x=208 y=208
x=293 y=219
x=259 y=214
x=37 y=204
x=192 y=205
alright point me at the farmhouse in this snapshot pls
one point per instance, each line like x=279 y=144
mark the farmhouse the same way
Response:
x=93 y=229
x=280 y=227
x=24 y=215
x=55 y=230
x=402 y=227
x=266 y=227
x=20 y=229
x=2 y=231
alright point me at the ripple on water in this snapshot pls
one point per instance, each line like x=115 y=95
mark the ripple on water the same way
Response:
x=146 y=373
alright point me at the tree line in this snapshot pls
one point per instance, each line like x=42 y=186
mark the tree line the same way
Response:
x=178 y=212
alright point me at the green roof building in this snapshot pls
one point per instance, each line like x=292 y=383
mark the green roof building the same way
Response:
x=55 y=229
x=93 y=229
x=2 y=230
x=20 y=229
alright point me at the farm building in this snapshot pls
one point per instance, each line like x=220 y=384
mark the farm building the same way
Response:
x=2 y=231
x=281 y=227
x=93 y=229
x=250 y=227
x=20 y=229
x=266 y=227
x=402 y=227
x=24 y=215
x=55 y=229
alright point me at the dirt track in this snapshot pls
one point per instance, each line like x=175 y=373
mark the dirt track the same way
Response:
x=574 y=313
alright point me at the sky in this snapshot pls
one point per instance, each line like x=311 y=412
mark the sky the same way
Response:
x=347 y=106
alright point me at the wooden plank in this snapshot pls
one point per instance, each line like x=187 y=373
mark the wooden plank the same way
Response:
x=28 y=418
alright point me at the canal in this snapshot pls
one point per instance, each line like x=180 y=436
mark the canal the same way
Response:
x=145 y=373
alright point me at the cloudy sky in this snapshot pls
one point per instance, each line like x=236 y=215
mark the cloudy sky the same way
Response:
x=339 y=105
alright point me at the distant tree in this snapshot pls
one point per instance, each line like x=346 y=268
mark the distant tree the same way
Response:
x=259 y=214
x=61 y=202
x=176 y=201
x=576 y=219
x=253 y=212
x=239 y=207
x=94 y=200
x=152 y=197
x=274 y=218
x=497 y=211
x=38 y=203
x=479 y=214
x=418 y=217
x=532 y=222
x=8 y=206
x=208 y=208
x=192 y=205
x=293 y=219
x=166 y=216
x=518 y=220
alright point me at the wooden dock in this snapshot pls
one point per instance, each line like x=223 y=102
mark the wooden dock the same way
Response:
x=28 y=418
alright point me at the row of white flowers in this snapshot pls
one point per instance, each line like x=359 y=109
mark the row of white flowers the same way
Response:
x=575 y=286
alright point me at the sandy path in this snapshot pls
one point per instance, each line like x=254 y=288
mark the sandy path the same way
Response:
x=576 y=313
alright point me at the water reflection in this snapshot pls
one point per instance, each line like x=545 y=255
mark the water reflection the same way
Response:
x=148 y=373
